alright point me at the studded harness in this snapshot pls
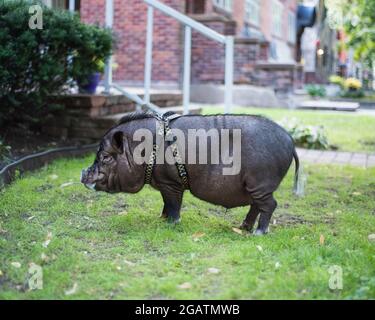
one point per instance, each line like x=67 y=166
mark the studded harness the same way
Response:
x=166 y=132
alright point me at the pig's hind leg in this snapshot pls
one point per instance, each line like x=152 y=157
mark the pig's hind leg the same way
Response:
x=267 y=206
x=250 y=219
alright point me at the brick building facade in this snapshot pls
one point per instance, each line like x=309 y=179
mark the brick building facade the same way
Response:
x=264 y=30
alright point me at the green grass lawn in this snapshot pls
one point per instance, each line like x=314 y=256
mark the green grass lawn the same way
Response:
x=115 y=246
x=349 y=132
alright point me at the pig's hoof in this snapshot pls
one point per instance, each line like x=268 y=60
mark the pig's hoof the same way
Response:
x=259 y=232
x=163 y=216
x=246 y=227
x=174 y=221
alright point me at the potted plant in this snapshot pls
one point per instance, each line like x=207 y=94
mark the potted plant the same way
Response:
x=90 y=83
x=89 y=63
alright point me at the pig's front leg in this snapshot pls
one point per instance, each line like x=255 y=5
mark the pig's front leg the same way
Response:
x=172 y=204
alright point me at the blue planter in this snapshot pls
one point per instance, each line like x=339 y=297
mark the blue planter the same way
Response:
x=91 y=84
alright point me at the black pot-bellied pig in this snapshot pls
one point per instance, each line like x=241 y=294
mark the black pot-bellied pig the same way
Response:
x=259 y=151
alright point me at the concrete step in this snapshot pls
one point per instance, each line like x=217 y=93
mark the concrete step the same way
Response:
x=193 y=109
x=328 y=105
x=161 y=98
x=115 y=118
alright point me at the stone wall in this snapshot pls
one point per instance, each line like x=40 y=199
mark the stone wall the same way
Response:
x=88 y=117
x=281 y=77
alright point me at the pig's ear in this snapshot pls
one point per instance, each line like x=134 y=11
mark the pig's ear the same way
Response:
x=118 y=141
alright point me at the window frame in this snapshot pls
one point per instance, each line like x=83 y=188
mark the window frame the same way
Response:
x=277 y=25
x=253 y=4
x=226 y=5
x=292 y=27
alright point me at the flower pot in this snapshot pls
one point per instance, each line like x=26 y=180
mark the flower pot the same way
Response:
x=90 y=84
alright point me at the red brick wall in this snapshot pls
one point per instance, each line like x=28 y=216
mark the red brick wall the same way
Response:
x=207 y=56
x=130 y=19
x=93 y=11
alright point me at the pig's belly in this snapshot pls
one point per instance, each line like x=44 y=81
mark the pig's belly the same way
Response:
x=226 y=197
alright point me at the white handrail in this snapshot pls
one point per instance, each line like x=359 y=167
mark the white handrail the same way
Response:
x=190 y=24
x=137 y=99
x=148 y=56
x=108 y=65
x=187 y=21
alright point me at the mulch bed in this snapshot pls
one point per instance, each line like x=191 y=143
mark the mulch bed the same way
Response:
x=25 y=142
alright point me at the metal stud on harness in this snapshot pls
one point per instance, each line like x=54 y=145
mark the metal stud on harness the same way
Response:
x=165 y=131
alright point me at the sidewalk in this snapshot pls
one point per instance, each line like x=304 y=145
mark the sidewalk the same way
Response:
x=364 y=160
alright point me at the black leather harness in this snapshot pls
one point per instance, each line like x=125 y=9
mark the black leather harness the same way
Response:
x=166 y=133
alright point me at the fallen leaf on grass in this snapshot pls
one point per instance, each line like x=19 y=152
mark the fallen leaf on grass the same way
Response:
x=371 y=237
x=196 y=236
x=30 y=218
x=123 y=213
x=238 y=231
x=16 y=264
x=321 y=240
x=44 y=257
x=356 y=193
x=73 y=290
x=213 y=270
x=66 y=184
x=53 y=176
x=48 y=239
x=260 y=249
x=129 y=263
x=277 y=265
x=185 y=285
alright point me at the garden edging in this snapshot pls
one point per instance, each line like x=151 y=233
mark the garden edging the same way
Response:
x=38 y=160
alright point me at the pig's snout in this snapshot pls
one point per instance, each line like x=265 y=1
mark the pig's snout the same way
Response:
x=83 y=175
x=85 y=180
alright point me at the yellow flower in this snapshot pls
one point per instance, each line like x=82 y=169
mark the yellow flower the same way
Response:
x=353 y=83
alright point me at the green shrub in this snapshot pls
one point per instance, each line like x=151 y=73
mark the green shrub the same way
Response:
x=353 y=94
x=340 y=81
x=4 y=151
x=35 y=63
x=304 y=136
x=316 y=91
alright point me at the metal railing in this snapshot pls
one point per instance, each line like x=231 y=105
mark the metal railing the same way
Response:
x=227 y=41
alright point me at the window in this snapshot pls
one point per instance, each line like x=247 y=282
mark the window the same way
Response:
x=252 y=11
x=292 y=31
x=61 y=4
x=277 y=18
x=195 y=6
x=224 y=4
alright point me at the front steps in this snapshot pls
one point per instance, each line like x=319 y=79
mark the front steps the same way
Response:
x=88 y=117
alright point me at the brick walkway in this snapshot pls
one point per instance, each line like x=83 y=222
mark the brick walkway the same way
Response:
x=364 y=160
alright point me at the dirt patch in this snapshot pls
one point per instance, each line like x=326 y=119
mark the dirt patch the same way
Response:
x=6 y=283
x=287 y=219
x=368 y=143
x=23 y=142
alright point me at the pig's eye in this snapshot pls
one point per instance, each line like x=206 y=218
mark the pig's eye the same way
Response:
x=107 y=158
